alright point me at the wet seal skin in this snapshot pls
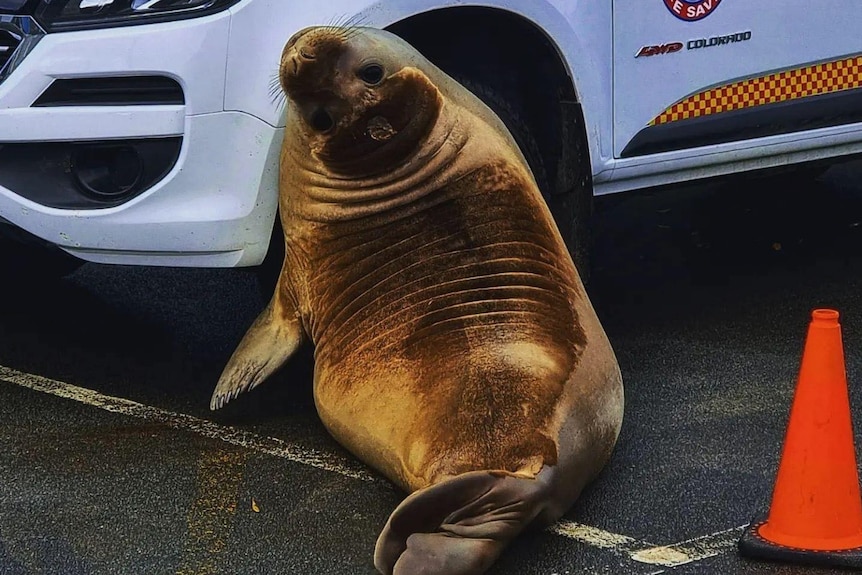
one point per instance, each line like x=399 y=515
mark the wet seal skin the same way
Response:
x=456 y=351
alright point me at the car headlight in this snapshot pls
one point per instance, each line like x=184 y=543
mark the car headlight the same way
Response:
x=61 y=15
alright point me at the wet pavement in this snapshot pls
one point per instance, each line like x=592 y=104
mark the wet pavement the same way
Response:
x=110 y=461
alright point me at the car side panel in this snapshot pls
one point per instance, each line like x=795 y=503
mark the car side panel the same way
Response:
x=731 y=42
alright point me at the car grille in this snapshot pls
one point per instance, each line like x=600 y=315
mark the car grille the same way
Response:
x=18 y=36
x=10 y=39
x=116 y=91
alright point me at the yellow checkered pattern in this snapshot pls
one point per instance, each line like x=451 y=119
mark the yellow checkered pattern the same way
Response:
x=813 y=80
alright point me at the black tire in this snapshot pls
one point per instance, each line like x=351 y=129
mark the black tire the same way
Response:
x=517 y=126
x=572 y=210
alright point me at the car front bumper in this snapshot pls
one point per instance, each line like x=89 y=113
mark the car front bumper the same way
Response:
x=216 y=204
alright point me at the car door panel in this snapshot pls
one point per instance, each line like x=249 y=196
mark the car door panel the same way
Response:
x=743 y=70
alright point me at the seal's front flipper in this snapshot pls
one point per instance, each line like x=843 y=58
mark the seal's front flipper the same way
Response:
x=461 y=525
x=273 y=337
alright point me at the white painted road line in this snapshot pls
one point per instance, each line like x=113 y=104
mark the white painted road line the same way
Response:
x=638 y=550
x=595 y=536
x=692 y=550
x=689 y=551
x=269 y=445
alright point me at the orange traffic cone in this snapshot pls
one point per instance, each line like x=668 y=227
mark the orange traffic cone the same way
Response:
x=816 y=511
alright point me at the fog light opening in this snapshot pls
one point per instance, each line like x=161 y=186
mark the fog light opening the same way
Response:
x=107 y=172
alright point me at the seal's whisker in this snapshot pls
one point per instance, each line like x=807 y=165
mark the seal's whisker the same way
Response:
x=354 y=25
x=346 y=26
x=336 y=27
x=278 y=101
x=275 y=94
x=346 y=34
x=356 y=21
x=338 y=21
x=275 y=81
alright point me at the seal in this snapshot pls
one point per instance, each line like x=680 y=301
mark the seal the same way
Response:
x=455 y=348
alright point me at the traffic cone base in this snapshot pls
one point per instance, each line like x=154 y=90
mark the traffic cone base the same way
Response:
x=810 y=543
x=754 y=546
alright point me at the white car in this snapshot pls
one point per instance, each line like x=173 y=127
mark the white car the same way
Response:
x=144 y=131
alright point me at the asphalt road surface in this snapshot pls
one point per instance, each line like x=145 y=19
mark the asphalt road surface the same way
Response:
x=110 y=461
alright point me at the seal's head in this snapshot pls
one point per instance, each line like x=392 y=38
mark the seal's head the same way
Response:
x=357 y=96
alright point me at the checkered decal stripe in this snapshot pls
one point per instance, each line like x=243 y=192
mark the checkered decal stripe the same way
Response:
x=813 y=80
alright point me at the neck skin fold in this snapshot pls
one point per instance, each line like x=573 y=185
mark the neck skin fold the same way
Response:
x=323 y=195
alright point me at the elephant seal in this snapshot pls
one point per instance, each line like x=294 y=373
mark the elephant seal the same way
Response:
x=455 y=348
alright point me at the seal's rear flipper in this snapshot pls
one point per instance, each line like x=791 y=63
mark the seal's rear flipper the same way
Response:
x=461 y=525
x=273 y=337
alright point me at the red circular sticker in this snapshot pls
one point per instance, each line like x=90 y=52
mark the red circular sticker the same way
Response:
x=691 y=10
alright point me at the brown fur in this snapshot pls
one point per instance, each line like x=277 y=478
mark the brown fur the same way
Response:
x=452 y=333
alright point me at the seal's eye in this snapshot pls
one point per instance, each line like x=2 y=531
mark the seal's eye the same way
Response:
x=321 y=120
x=371 y=74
